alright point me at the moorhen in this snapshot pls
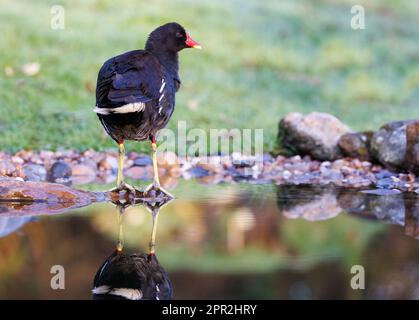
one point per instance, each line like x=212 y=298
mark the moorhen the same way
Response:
x=137 y=276
x=135 y=92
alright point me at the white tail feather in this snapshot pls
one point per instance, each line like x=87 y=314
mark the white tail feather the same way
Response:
x=128 y=108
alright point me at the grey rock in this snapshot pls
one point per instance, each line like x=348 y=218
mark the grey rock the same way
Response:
x=388 y=145
x=412 y=152
x=60 y=170
x=356 y=145
x=35 y=172
x=198 y=172
x=142 y=161
x=316 y=134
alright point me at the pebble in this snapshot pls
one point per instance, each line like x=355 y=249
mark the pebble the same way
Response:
x=198 y=172
x=142 y=161
x=138 y=173
x=108 y=163
x=83 y=173
x=7 y=168
x=60 y=170
x=35 y=172
x=91 y=165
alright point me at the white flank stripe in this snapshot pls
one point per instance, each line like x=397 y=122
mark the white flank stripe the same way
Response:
x=163 y=84
x=131 y=294
x=128 y=108
x=101 y=290
x=161 y=97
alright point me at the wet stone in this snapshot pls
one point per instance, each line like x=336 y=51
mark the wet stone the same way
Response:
x=356 y=145
x=138 y=173
x=83 y=173
x=198 y=172
x=142 y=161
x=384 y=174
x=387 y=183
x=267 y=158
x=243 y=163
x=316 y=134
x=60 y=170
x=35 y=172
x=388 y=145
x=412 y=152
x=109 y=163
x=7 y=168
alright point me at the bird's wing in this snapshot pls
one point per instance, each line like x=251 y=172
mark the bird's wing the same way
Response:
x=129 y=83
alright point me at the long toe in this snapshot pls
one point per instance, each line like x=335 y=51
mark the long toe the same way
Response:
x=127 y=187
x=156 y=191
x=123 y=187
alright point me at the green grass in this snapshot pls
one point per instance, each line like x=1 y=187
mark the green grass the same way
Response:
x=261 y=59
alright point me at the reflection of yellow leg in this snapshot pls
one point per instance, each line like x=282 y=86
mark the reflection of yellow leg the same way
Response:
x=156 y=180
x=155 y=215
x=120 y=244
x=121 y=157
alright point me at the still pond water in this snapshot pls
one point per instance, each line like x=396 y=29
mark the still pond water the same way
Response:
x=237 y=241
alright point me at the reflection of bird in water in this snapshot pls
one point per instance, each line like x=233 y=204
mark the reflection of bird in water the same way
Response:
x=133 y=276
x=135 y=94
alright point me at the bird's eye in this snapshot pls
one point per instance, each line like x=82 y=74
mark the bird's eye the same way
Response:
x=179 y=35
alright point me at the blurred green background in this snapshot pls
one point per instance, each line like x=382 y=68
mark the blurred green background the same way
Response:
x=261 y=60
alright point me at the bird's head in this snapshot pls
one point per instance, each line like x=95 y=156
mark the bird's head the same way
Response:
x=170 y=37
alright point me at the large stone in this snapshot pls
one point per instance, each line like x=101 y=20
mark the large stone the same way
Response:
x=316 y=134
x=388 y=145
x=19 y=198
x=412 y=147
x=356 y=145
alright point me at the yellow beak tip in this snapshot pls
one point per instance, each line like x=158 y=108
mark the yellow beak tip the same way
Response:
x=197 y=46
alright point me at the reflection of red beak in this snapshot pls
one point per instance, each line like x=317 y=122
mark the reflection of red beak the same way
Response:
x=192 y=43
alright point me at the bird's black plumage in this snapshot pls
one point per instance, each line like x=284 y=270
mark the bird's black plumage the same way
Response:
x=145 y=82
x=135 y=276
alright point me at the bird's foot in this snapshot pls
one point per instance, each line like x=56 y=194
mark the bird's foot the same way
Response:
x=154 y=190
x=123 y=187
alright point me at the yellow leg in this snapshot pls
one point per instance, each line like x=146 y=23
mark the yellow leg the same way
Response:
x=155 y=215
x=156 y=180
x=120 y=184
x=120 y=244
x=121 y=157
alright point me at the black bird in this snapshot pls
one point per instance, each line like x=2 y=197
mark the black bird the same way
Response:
x=135 y=92
x=132 y=277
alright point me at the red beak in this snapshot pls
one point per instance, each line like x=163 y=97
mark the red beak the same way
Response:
x=192 y=43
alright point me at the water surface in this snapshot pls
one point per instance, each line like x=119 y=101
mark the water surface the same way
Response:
x=239 y=241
